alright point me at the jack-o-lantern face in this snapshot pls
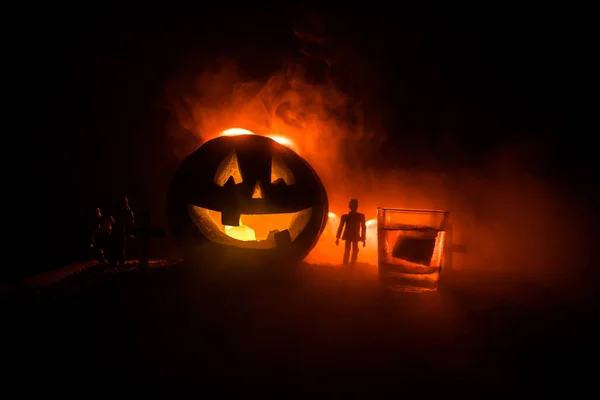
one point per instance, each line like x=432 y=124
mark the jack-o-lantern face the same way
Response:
x=247 y=195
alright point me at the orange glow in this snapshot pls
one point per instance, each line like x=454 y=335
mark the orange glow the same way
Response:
x=285 y=142
x=236 y=132
x=332 y=225
x=317 y=121
x=325 y=251
x=256 y=230
x=241 y=232
x=499 y=210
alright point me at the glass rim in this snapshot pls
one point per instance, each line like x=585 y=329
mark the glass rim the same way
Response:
x=413 y=210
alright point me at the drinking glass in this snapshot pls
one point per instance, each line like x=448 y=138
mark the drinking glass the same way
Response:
x=410 y=247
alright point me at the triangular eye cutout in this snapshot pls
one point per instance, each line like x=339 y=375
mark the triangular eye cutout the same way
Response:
x=228 y=168
x=281 y=172
x=258 y=193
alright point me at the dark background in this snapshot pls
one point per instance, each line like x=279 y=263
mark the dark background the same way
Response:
x=91 y=89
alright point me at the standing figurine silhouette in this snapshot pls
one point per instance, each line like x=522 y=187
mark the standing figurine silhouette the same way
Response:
x=355 y=231
x=101 y=236
x=124 y=219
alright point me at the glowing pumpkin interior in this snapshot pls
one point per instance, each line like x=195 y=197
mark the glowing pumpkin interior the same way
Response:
x=260 y=230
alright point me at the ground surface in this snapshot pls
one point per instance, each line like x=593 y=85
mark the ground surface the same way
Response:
x=315 y=329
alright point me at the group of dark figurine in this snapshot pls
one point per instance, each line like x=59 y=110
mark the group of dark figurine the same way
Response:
x=109 y=238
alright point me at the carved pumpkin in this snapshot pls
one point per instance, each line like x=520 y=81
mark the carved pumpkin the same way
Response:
x=246 y=199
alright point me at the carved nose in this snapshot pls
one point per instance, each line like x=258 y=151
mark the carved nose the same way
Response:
x=258 y=192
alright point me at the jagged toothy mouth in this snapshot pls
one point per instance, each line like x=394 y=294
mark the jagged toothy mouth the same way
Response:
x=255 y=231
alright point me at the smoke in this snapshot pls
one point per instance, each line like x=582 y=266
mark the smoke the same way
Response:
x=513 y=224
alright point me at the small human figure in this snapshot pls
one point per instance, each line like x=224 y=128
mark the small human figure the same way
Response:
x=355 y=231
x=123 y=219
x=101 y=235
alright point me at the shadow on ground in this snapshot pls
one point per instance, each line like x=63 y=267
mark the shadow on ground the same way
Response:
x=313 y=328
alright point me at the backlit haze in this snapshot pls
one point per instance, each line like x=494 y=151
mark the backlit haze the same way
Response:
x=511 y=222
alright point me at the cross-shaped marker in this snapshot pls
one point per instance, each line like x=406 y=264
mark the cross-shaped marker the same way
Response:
x=143 y=233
